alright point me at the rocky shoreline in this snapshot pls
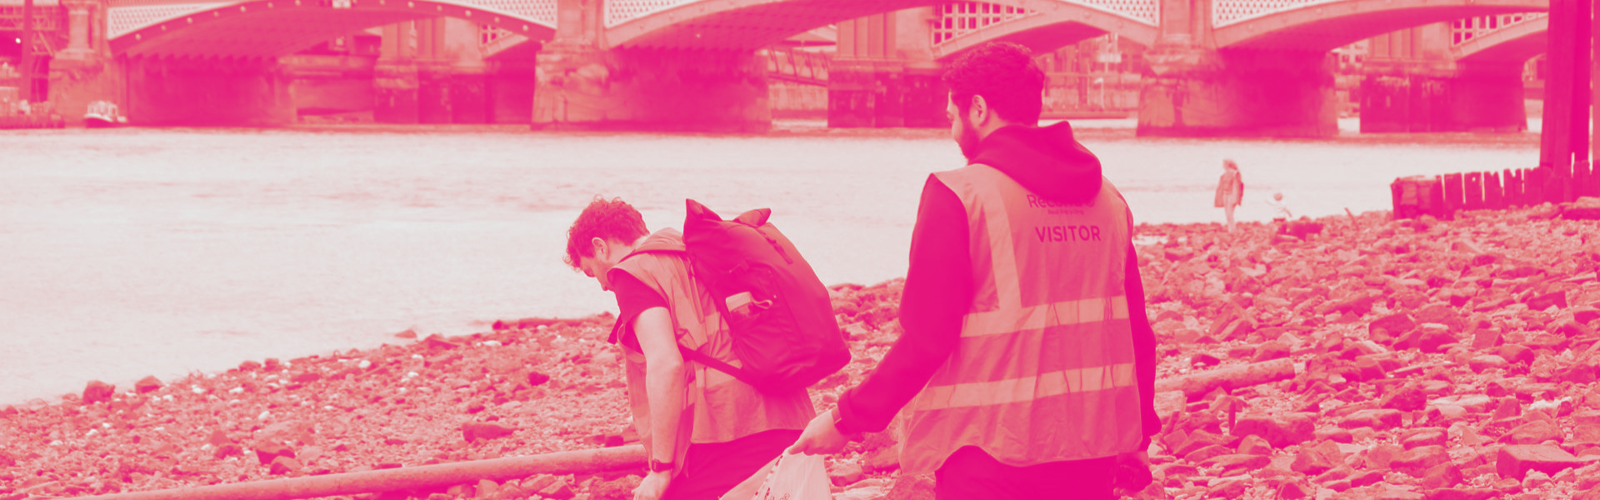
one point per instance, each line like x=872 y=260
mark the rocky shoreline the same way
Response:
x=1397 y=359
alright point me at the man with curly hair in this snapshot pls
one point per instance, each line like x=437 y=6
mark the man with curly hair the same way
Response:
x=1027 y=366
x=704 y=431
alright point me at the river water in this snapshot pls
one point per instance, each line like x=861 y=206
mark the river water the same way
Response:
x=134 y=252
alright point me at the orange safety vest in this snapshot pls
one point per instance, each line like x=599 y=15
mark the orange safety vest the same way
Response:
x=1044 y=371
x=717 y=408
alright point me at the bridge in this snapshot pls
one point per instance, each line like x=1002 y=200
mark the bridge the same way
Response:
x=1216 y=67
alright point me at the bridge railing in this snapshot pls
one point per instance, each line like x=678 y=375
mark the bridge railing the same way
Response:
x=49 y=25
x=1464 y=30
x=493 y=39
x=959 y=18
x=45 y=18
x=788 y=64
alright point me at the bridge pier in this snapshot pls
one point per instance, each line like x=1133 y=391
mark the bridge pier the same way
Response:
x=441 y=79
x=1476 y=98
x=394 y=77
x=580 y=88
x=1196 y=92
x=84 y=72
x=1488 y=98
x=508 y=86
x=883 y=73
x=1411 y=84
x=250 y=92
x=865 y=94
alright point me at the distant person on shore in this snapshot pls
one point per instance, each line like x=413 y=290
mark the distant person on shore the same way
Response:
x=1230 y=190
x=1280 y=210
x=1027 y=364
x=704 y=431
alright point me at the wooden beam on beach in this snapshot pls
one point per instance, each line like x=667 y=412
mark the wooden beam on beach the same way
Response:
x=405 y=478
x=1199 y=384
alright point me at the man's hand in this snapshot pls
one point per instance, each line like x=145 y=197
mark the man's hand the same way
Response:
x=653 y=486
x=820 y=437
x=1133 y=472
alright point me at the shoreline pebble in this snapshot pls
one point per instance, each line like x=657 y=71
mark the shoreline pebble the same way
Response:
x=1431 y=359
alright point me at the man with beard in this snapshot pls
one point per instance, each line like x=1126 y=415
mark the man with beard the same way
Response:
x=1027 y=362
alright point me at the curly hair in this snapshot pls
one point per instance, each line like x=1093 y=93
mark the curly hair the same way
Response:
x=1005 y=74
x=610 y=220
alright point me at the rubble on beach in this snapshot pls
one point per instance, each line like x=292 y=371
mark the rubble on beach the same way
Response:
x=1373 y=358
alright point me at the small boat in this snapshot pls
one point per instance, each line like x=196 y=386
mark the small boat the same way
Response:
x=103 y=114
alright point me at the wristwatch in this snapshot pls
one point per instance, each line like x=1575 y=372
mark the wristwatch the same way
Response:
x=659 y=466
x=837 y=416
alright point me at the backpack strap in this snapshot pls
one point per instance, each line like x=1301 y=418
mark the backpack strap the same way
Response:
x=687 y=353
x=710 y=362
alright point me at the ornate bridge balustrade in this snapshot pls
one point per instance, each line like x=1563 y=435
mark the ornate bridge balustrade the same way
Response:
x=1216 y=67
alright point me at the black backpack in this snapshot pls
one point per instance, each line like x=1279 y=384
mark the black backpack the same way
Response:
x=780 y=315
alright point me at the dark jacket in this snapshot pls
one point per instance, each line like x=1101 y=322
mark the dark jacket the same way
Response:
x=1047 y=161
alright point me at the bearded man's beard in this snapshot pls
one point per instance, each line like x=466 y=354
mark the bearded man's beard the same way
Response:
x=969 y=138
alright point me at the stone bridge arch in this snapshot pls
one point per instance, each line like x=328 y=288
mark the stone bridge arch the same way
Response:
x=1049 y=25
x=730 y=24
x=1325 y=25
x=1510 y=43
x=751 y=24
x=271 y=28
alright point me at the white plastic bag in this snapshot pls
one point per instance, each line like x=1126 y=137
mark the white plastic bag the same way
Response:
x=788 y=477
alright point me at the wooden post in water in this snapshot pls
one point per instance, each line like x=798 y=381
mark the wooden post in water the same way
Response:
x=1452 y=192
x=1564 y=142
x=1473 y=184
x=1512 y=191
x=1555 y=140
x=1582 y=91
x=1533 y=184
x=1493 y=197
x=26 y=92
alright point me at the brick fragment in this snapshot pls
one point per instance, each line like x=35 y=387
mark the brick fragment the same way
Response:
x=1238 y=463
x=1377 y=419
x=1461 y=494
x=1514 y=461
x=473 y=431
x=1281 y=430
x=1380 y=456
x=1407 y=398
x=1311 y=463
x=1435 y=436
x=1254 y=445
x=1295 y=490
x=1534 y=432
x=1483 y=362
x=1444 y=475
x=1202 y=454
x=1417 y=461
x=147 y=384
x=96 y=391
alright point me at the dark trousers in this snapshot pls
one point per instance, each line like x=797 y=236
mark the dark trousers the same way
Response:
x=711 y=469
x=972 y=473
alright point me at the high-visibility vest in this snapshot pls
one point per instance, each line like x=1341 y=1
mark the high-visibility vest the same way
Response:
x=717 y=407
x=1044 y=371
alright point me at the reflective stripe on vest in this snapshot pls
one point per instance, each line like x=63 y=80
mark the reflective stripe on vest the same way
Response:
x=1069 y=312
x=1044 y=370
